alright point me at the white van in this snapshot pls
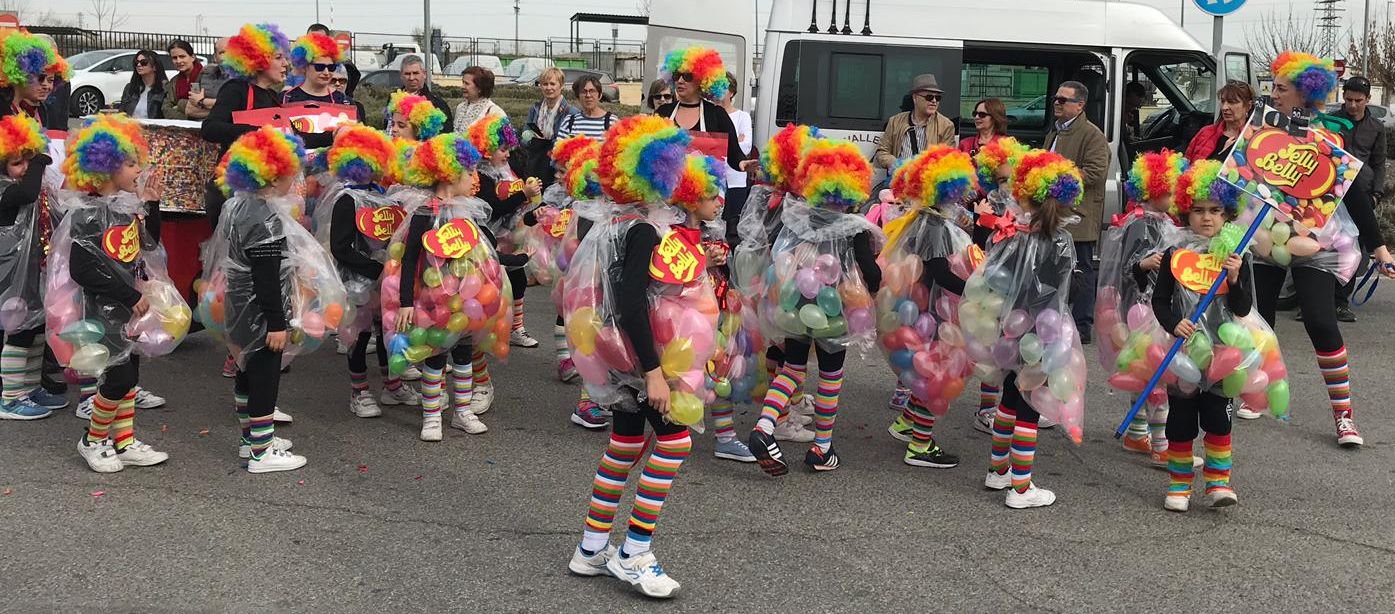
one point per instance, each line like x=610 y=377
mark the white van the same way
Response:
x=1016 y=51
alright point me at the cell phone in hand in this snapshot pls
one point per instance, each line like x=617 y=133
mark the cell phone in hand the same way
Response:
x=195 y=88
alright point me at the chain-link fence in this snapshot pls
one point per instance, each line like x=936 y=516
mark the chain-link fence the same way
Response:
x=72 y=41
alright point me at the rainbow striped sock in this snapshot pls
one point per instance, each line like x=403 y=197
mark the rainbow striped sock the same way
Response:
x=988 y=397
x=480 y=363
x=87 y=387
x=432 y=382
x=654 y=485
x=1336 y=371
x=244 y=419
x=1216 y=472
x=358 y=382
x=777 y=398
x=922 y=426
x=1004 y=421
x=559 y=341
x=34 y=369
x=1157 y=427
x=14 y=360
x=123 y=425
x=103 y=412
x=1024 y=452
x=826 y=407
x=722 y=419
x=517 y=313
x=1179 y=467
x=607 y=488
x=462 y=387
x=1138 y=426
x=391 y=383
x=261 y=429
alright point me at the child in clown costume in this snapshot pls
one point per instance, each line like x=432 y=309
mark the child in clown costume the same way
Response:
x=413 y=117
x=554 y=219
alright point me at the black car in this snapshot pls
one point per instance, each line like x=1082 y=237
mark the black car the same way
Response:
x=386 y=80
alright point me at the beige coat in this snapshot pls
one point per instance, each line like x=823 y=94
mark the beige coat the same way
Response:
x=1084 y=144
x=940 y=132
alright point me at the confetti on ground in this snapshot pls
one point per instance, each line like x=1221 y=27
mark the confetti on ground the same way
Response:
x=417 y=478
x=164 y=428
x=363 y=468
x=489 y=462
x=7 y=492
x=300 y=482
x=98 y=493
x=203 y=432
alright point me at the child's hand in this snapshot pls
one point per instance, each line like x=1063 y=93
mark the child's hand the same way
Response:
x=656 y=387
x=1232 y=266
x=404 y=319
x=719 y=257
x=532 y=187
x=141 y=306
x=1151 y=263
x=1184 y=329
x=983 y=208
x=276 y=341
x=153 y=189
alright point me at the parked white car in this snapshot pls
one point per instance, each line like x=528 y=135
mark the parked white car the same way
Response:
x=522 y=67
x=489 y=62
x=100 y=76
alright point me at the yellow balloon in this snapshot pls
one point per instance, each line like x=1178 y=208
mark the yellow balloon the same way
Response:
x=677 y=357
x=582 y=329
x=684 y=408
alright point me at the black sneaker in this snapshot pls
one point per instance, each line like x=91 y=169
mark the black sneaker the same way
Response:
x=1345 y=314
x=1087 y=336
x=934 y=457
x=767 y=452
x=818 y=460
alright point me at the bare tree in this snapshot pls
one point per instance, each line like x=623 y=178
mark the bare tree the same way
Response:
x=1278 y=32
x=1382 y=53
x=644 y=6
x=107 y=15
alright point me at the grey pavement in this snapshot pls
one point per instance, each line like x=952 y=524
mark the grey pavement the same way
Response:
x=382 y=522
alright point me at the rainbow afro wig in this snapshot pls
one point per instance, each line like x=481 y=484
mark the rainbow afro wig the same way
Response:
x=361 y=155
x=703 y=178
x=834 y=175
x=259 y=159
x=1200 y=183
x=940 y=174
x=493 y=134
x=1041 y=175
x=21 y=137
x=1313 y=77
x=705 y=66
x=569 y=149
x=641 y=159
x=780 y=159
x=426 y=120
x=253 y=48
x=25 y=56
x=1002 y=150
x=1154 y=175
x=100 y=148
x=314 y=45
x=581 y=181
x=442 y=159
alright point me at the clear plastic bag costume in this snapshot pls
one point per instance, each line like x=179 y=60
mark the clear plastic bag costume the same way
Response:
x=815 y=288
x=757 y=229
x=21 y=274
x=1123 y=309
x=376 y=219
x=1015 y=317
x=88 y=331
x=460 y=289
x=543 y=240
x=735 y=370
x=1293 y=243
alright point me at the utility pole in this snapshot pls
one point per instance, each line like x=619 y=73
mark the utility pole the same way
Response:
x=515 y=27
x=426 y=35
x=317 y=11
x=1366 y=39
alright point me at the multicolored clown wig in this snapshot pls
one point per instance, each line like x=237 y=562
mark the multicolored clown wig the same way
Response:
x=1154 y=175
x=1313 y=77
x=493 y=134
x=443 y=159
x=780 y=159
x=703 y=178
x=25 y=56
x=834 y=175
x=1200 y=183
x=259 y=159
x=426 y=120
x=21 y=137
x=939 y=175
x=362 y=155
x=999 y=151
x=1042 y=175
x=705 y=66
x=253 y=48
x=100 y=148
x=570 y=148
x=641 y=159
x=581 y=180
x=314 y=45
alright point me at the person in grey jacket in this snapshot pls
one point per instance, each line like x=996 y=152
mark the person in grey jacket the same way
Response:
x=1366 y=141
x=210 y=81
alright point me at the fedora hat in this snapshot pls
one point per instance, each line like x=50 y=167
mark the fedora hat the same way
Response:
x=926 y=83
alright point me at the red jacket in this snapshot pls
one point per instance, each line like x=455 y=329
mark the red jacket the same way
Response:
x=1204 y=143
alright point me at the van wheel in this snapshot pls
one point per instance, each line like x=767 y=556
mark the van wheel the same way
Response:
x=86 y=101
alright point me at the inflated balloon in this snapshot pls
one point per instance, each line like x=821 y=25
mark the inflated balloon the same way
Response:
x=90 y=359
x=1031 y=349
x=829 y=301
x=814 y=318
x=685 y=408
x=1278 y=396
x=1016 y=323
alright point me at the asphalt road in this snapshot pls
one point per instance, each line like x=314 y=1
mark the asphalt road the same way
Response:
x=382 y=522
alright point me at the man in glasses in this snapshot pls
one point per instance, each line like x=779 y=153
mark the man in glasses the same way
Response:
x=910 y=132
x=1081 y=142
x=211 y=80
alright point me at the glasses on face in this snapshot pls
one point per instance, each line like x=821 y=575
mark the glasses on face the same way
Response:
x=1063 y=100
x=981 y=115
x=45 y=79
x=341 y=82
x=590 y=92
x=932 y=97
x=683 y=76
x=1000 y=180
x=142 y=63
x=663 y=97
x=325 y=67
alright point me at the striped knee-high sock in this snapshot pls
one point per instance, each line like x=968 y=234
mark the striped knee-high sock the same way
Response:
x=826 y=407
x=1179 y=467
x=922 y=425
x=260 y=431
x=358 y=382
x=103 y=412
x=462 y=387
x=1024 y=452
x=654 y=485
x=1157 y=427
x=517 y=313
x=13 y=362
x=34 y=369
x=480 y=363
x=244 y=419
x=1337 y=373
x=1004 y=421
x=777 y=398
x=722 y=421
x=432 y=381
x=1216 y=472
x=988 y=397
x=607 y=488
x=389 y=382
x=123 y=425
x=559 y=341
x=1138 y=426
x=87 y=387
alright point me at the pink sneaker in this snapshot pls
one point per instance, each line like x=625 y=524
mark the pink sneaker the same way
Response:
x=566 y=370
x=230 y=367
x=1347 y=435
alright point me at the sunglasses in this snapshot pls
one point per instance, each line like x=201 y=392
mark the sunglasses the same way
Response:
x=142 y=62
x=325 y=67
x=981 y=115
x=683 y=76
x=1063 y=100
x=339 y=81
x=590 y=92
x=663 y=97
x=932 y=97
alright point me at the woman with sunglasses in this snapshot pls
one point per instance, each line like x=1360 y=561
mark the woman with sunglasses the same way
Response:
x=699 y=78
x=318 y=56
x=990 y=124
x=144 y=96
x=660 y=94
x=177 y=89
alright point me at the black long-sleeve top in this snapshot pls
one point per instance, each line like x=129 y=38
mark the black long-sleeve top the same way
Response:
x=936 y=273
x=1237 y=297
x=866 y=258
x=500 y=210
x=640 y=242
x=219 y=126
x=344 y=241
x=417 y=226
x=266 y=282
x=24 y=192
x=96 y=272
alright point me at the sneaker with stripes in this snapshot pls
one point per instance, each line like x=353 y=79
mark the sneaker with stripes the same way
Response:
x=767 y=452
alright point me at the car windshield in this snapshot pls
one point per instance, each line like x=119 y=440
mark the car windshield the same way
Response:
x=87 y=58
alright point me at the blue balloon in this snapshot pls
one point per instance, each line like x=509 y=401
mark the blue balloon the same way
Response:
x=398 y=345
x=902 y=360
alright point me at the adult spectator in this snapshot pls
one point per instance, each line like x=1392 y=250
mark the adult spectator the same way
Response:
x=478 y=85
x=352 y=73
x=544 y=118
x=660 y=94
x=1214 y=141
x=990 y=123
x=202 y=99
x=413 y=74
x=319 y=56
x=340 y=83
x=591 y=119
x=177 y=89
x=737 y=187
x=692 y=108
x=1366 y=141
x=1134 y=95
x=145 y=94
x=1080 y=141
x=910 y=132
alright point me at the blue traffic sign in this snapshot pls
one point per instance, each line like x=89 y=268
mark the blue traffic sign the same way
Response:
x=1219 y=8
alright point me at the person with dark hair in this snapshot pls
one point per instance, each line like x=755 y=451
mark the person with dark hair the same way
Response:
x=737 y=187
x=478 y=84
x=660 y=94
x=413 y=74
x=990 y=123
x=1078 y=139
x=177 y=89
x=352 y=72
x=699 y=78
x=1365 y=140
x=144 y=96
x=1214 y=141
x=318 y=56
x=591 y=119
x=1135 y=94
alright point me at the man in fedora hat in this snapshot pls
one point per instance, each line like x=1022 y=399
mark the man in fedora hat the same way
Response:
x=910 y=132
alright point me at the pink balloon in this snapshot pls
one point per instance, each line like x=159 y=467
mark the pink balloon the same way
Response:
x=313 y=324
x=860 y=320
x=591 y=368
x=1017 y=323
x=938 y=406
x=614 y=349
x=472 y=309
x=470 y=285
x=1139 y=316
x=1224 y=361
x=807 y=283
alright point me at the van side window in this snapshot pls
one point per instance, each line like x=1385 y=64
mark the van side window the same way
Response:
x=858 y=86
x=852 y=77
x=1023 y=89
x=1237 y=67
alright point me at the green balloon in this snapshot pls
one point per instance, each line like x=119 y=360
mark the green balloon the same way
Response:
x=1233 y=383
x=436 y=337
x=397 y=364
x=813 y=317
x=417 y=336
x=789 y=296
x=1278 y=398
x=1233 y=334
x=829 y=301
x=1199 y=349
x=837 y=327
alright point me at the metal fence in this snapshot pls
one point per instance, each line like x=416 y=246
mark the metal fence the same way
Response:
x=72 y=41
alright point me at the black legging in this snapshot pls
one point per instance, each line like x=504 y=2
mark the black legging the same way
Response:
x=630 y=423
x=119 y=379
x=260 y=381
x=1013 y=399
x=1209 y=410
x=519 y=281
x=462 y=354
x=797 y=352
x=21 y=339
x=358 y=355
x=1314 y=289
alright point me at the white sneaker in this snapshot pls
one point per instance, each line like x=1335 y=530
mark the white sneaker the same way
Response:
x=805 y=406
x=467 y=421
x=983 y=421
x=84 y=409
x=1034 y=497
x=1046 y=423
x=789 y=430
x=343 y=345
x=140 y=454
x=1177 y=502
x=431 y=428
x=1245 y=413
x=593 y=565
x=372 y=344
x=1223 y=497
x=244 y=451
x=363 y=405
x=483 y=398
x=99 y=456
x=643 y=572
x=998 y=482
x=412 y=374
x=280 y=416
x=404 y=395
x=146 y=399
x=276 y=460
x=801 y=419
x=521 y=338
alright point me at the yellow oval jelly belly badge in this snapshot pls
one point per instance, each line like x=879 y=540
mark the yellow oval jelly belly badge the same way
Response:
x=559 y=225
x=379 y=223
x=452 y=240
x=1196 y=272
x=122 y=243
x=678 y=259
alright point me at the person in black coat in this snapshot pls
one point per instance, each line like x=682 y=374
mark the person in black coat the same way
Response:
x=145 y=94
